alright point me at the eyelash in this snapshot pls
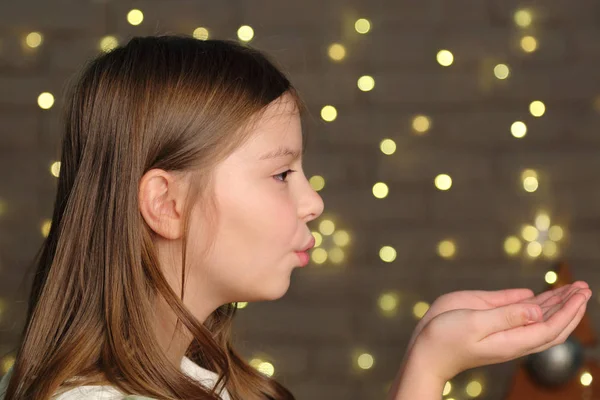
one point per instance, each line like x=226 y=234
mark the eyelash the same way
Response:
x=288 y=172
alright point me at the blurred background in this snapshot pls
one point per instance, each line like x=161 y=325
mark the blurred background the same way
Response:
x=454 y=143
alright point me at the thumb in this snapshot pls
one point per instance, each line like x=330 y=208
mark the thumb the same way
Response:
x=510 y=316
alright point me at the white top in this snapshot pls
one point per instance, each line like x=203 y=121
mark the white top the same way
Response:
x=107 y=392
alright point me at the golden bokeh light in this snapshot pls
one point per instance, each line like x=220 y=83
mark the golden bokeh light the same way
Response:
x=317 y=182
x=443 y=182
x=336 y=52
x=34 y=39
x=266 y=368
x=362 y=26
x=45 y=100
x=586 y=379
x=529 y=44
x=45 y=228
x=501 y=71
x=530 y=233
x=550 y=249
x=366 y=83
x=474 y=389
x=326 y=227
x=388 y=302
x=200 y=33
x=241 y=304
x=534 y=249
x=555 y=233
x=387 y=254
x=135 y=17
x=421 y=123
x=55 y=169
x=380 y=190
x=445 y=58
x=365 y=361
x=542 y=221
x=530 y=184
x=341 y=238
x=329 y=113
x=518 y=129
x=420 y=309
x=318 y=238
x=523 y=18
x=551 y=277
x=336 y=255
x=319 y=255
x=446 y=249
x=387 y=146
x=108 y=43
x=512 y=245
x=537 y=108
x=245 y=33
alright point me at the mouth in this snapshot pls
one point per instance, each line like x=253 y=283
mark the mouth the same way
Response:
x=309 y=246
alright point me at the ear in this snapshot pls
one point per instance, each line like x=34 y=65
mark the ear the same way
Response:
x=161 y=201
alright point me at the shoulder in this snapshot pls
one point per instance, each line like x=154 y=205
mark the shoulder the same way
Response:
x=92 y=393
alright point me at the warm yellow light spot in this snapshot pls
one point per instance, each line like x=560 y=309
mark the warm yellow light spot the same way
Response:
x=241 y=304
x=34 y=39
x=135 y=17
x=555 y=233
x=387 y=253
x=387 y=146
x=542 y=221
x=474 y=389
x=586 y=379
x=55 y=169
x=445 y=58
x=45 y=100
x=446 y=249
x=550 y=277
x=501 y=71
x=341 y=238
x=365 y=361
x=336 y=52
x=245 y=33
x=318 y=238
x=529 y=44
x=266 y=368
x=366 y=83
x=421 y=124
x=317 y=182
x=512 y=245
x=529 y=173
x=420 y=309
x=362 y=25
x=380 y=190
x=108 y=43
x=534 y=249
x=336 y=255
x=200 y=33
x=328 y=113
x=7 y=363
x=550 y=249
x=530 y=233
x=447 y=388
x=319 y=255
x=255 y=362
x=326 y=227
x=537 y=108
x=523 y=18
x=388 y=302
x=45 y=228
x=518 y=129
x=443 y=182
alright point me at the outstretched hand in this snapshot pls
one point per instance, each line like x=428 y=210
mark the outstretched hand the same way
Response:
x=467 y=329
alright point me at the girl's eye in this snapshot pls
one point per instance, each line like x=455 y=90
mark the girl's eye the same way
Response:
x=286 y=173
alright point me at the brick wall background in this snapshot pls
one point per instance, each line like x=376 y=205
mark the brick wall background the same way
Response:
x=331 y=311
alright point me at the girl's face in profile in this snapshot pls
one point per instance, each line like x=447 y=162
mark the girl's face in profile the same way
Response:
x=263 y=209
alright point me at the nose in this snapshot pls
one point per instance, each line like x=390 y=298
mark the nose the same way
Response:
x=311 y=204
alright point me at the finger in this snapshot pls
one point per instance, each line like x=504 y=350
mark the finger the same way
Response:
x=566 y=332
x=545 y=296
x=506 y=296
x=549 y=309
x=504 y=318
x=522 y=339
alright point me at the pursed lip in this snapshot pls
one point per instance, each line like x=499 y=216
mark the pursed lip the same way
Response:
x=309 y=246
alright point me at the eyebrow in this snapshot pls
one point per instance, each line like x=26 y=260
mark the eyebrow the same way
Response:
x=280 y=153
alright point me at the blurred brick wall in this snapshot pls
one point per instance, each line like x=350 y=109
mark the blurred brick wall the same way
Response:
x=330 y=310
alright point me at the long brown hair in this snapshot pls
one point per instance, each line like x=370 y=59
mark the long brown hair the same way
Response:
x=166 y=101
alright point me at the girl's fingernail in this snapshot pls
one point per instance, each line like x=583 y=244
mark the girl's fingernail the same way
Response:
x=533 y=315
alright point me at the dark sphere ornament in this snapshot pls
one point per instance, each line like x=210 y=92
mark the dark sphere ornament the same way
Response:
x=556 y=365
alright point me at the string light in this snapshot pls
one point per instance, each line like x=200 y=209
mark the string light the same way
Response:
x=135 y=17
x=241 y=304
x=318 y=238
x=447 y=388
x=474 y=389
x=55 y=169
x=387 y=254
x=586 y=379
x=366 y=83
x=362 y=26
x=336 y=52
x=443 y=182
x=421 y=123
x=108 y=43
x=245 y=33
x=530 y=233
x=529 y=44
x=365 y=361
x=326 y=227
x=420 y=309
x=388 y=302
x=266 y=368
x=45 y=228
x=336 y=255
x=523 y=18
x=200 y=33
x=555 y=233
x=446 y=249
x=317 y=182
x=542 y=221
x=501 y=71
x=328 y=113
x=530 y=180
x=534 y=249
x=549 y=249
x=380 y=190
x=518 y=129
x=537 y=108
x=445 y=58
x=45 y=100
x=512 y=245
x=387 y=146
x=319 y=255
x=551 y=277
x=34 y=39
x=341 y=238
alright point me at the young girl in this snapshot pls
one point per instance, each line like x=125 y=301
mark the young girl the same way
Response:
x=181 y=192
